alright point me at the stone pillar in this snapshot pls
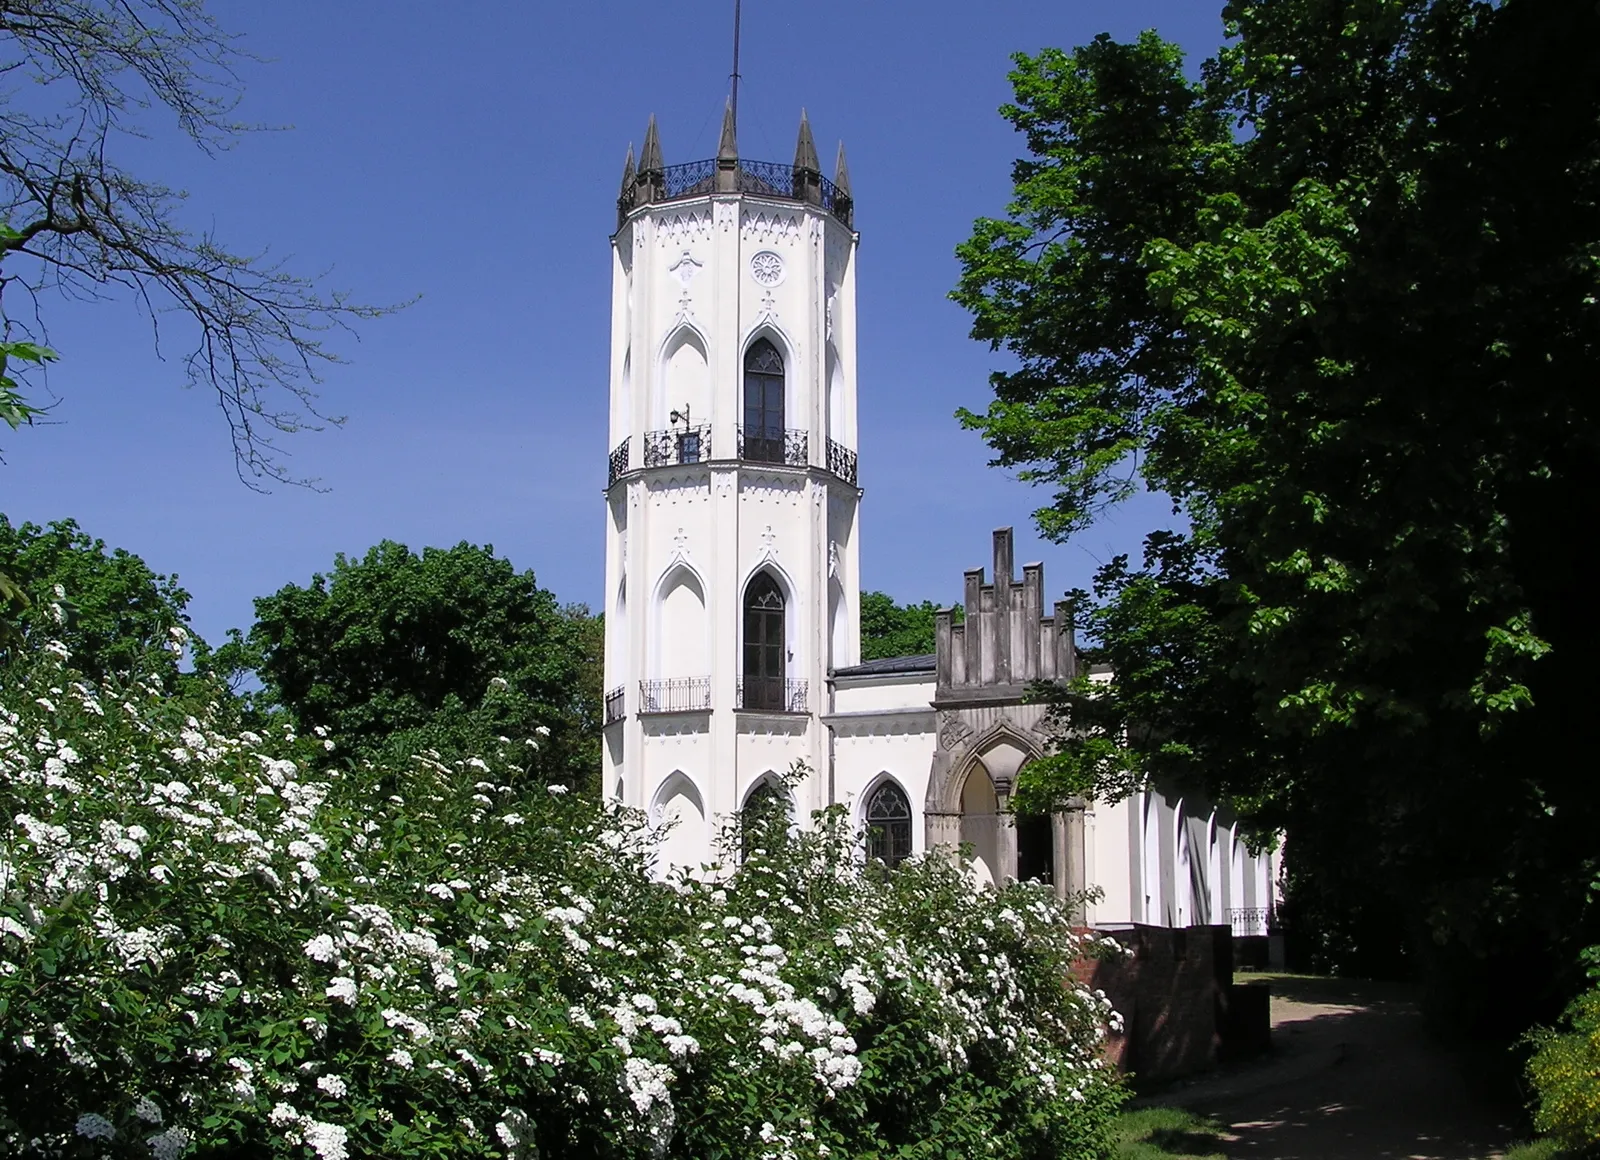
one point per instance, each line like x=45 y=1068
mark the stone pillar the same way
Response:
x=1072 y=874
x=1005 y=837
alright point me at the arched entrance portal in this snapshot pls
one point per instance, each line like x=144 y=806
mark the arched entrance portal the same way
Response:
x=981 y=825
x=1036 y=848
x=971 y=805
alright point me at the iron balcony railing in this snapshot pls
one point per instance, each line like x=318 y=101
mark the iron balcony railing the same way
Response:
x=618 y=466
x=790 y=446
x=763 y=178
x=842 y=462
x=786 y=445
x=677 y=695
x=1252 y=920
x=680 y=445
x=614 y=711
x=772 y=694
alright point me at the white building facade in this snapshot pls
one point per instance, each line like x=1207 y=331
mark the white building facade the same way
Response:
x=732 y=576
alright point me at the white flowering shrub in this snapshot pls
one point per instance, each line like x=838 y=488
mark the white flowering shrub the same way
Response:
x=219 y=943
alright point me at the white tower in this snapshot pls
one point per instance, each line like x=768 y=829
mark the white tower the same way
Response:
x=731 y=554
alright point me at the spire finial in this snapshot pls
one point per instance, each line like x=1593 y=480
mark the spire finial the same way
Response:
x=650 y=158
x=651 y=184
x=844 y=207
x=807 y=171
x=728 y=148
x=805 y=150
x=728 y=154
x=629 y=180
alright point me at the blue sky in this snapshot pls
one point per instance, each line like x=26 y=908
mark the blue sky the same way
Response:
x=469 y=154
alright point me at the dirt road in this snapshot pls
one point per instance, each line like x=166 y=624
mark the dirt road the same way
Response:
x=1352 y=1076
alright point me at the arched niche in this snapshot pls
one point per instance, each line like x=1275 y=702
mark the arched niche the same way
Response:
x=766 y=804
x=838 y=625
x=837 y=411
x=1183 y=867
x=685 y=379
x=617 y=631
x=1150 y=861
x=682 y=646
x=678 y=812
x=622 y=402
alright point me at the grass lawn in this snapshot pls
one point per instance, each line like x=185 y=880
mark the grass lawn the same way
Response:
x=1538 y=1150
x=1172 y=1134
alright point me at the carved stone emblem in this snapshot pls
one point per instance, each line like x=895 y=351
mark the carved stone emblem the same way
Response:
x=768 y=312
x=953 y=731
x=685 y=268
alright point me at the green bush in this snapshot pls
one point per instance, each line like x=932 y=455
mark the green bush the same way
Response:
x=214 y=942
x=1565 y=1071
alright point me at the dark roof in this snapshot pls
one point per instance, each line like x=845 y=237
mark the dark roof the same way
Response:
x=891 y=665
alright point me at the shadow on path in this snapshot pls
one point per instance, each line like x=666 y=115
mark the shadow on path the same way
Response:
x=1352 y=1075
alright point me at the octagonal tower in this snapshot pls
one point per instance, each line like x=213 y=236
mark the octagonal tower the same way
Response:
x=732 y=572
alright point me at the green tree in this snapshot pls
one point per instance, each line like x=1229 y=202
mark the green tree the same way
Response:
x=894 y=630
x=115 y=615
x=86 y=78
x=1337 y=297
x=451 y=649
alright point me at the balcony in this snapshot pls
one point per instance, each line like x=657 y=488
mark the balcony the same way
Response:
x=772 y=694
x=842 y=462
x=614 y=711
x=1252 y=920
x=618 y=466
x=677 y=695
x=789 y=446
x=762 y=178
x=680 y=445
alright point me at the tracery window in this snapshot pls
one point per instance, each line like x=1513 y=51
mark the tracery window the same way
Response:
x=764 y=647
x=763 y=403
x=888 y=825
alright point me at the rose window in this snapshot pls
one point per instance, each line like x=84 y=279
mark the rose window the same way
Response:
x=766 y=268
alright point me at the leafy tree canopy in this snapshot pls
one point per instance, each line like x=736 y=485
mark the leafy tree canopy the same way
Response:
x=449 y=649
x=895 y=630
x=113 y=613
x=1340 y=298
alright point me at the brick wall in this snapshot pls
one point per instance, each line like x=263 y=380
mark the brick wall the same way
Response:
x=1171 y=991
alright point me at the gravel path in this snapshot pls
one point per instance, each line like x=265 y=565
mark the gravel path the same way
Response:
x=1352 y=1076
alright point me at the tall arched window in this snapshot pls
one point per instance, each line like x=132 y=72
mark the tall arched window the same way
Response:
x=888 y=825
x=763 y=403
x=762 y=683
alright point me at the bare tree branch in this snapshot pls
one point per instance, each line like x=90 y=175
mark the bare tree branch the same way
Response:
x=86 y=74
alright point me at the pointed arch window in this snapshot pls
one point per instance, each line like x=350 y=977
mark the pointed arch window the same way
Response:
x=764 y=645
x=889 y=825
x=763 y=403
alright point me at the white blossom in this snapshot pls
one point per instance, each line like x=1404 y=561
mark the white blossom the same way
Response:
x=95 y=1126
